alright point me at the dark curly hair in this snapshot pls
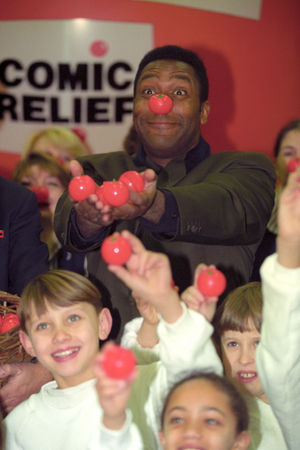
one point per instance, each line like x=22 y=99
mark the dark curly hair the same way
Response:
x=175 y=53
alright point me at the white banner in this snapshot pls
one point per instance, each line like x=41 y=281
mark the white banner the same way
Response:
x=249 y=9
x=69 y=73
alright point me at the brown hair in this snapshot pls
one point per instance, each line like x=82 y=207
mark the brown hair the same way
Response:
x=57 y=287
x=46 y=162
x=241 y=307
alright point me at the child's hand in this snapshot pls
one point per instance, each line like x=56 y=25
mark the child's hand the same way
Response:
x=113 y=394
x=193 y=298
x=147 y=334
x=146 y=310
x=148 y=274
x=288 y=241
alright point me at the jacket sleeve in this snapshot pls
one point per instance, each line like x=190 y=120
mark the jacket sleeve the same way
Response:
x=278 y=354
x=127 y=438
x=226 y=200
x=27 y=255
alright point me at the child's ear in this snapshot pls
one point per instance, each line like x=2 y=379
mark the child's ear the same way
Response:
x=105 y=323
x=242 y=441
x=26 y=342
x=161 y=438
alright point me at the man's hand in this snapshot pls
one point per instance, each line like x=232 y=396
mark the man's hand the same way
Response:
x=24 y=379
x=139 y=203
x=92 y=214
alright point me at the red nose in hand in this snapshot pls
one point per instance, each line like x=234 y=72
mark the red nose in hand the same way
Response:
x=115 y=249
x=134 y=180
x=211 y=282
x=118 y=362
x=81 y=187
x=42 y=194
x=160 y=104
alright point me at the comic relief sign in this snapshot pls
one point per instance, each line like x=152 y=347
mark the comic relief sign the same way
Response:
x=69 y=73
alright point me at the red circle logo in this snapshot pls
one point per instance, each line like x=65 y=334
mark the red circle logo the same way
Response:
x=99 y=48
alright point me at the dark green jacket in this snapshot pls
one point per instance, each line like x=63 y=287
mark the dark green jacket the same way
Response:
x=224 y=205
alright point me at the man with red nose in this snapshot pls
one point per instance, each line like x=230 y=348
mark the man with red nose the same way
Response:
x=195 y=207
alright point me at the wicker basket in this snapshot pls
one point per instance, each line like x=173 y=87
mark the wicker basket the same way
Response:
x=11 y=349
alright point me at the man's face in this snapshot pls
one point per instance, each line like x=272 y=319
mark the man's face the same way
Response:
x=167 y=136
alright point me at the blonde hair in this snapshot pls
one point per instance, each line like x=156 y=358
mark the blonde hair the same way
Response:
x=60 y=137
x=57 y=287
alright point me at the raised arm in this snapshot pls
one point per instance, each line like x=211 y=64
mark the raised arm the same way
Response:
x=278 y=355
x=149 y=275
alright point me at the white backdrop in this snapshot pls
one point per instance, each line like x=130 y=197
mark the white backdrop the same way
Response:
x=69 y=73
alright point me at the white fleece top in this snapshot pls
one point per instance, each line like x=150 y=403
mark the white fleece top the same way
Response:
x=278 y=354
x=70 y=419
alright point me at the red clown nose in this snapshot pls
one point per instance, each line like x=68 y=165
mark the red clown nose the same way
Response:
x=42 y=194
x=160 y=104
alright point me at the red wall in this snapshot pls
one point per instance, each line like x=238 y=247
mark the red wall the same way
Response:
x=253 y=66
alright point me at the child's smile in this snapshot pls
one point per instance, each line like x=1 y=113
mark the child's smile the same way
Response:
x=65 y=339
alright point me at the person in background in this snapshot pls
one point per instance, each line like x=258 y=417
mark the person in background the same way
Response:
x=278 y=354
x=195 y=205
x=42 y=174
x=287 y=147
x=22 y=257
x=59 y=142
x=22 y=254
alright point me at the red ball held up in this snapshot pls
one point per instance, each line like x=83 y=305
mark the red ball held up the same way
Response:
x=211 y=282
x=118 y=362
x=115 y=250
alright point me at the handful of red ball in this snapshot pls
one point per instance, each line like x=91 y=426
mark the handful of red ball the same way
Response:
x=113 y=193
x=8 y=321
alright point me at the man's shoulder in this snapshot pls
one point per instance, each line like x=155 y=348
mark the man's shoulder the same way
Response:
x=240 y=159
x=239 y=155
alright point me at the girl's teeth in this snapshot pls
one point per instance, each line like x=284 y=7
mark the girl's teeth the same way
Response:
x=65 y=353
x=247 y=375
